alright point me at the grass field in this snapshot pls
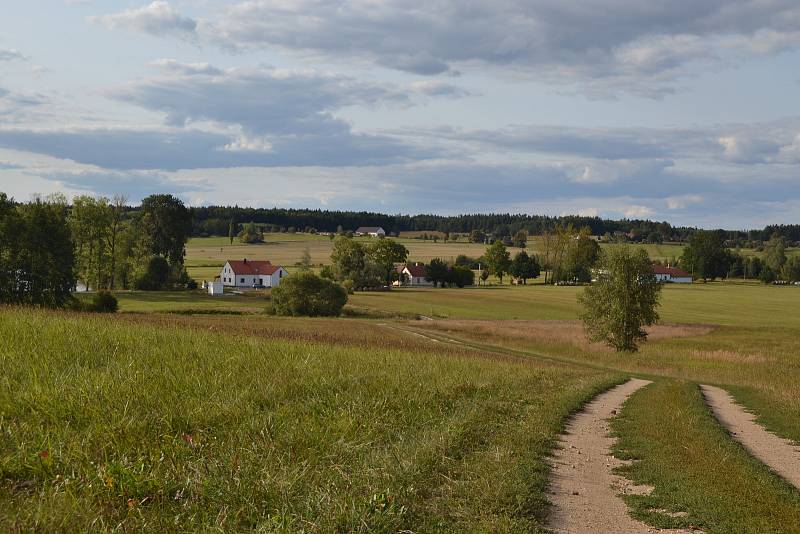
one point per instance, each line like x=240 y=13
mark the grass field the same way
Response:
x=206 y=255
x=111 y=427
x=196 y=420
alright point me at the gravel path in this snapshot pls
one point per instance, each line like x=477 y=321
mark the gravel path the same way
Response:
x=584 y=491
x=781 y=455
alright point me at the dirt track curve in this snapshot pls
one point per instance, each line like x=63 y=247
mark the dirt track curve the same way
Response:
x=781 y=455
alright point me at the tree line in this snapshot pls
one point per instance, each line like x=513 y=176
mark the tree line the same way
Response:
x=216 y=221
x=49 y=246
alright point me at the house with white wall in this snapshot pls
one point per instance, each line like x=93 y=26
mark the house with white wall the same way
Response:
x=251 y=273
x=372 y=231
x=671 y=275
x=412 y=275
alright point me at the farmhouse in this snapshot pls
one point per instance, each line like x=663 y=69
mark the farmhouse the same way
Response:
x=671 y=275
x=412 y=275
x=249 y=273
x=372 y=231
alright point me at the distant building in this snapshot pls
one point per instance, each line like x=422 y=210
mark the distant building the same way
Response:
x=249 y=273
x=215 y=288
x=412 y=275
x=671 y=275
x=373 y=231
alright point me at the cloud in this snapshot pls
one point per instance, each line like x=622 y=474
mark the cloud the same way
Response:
x=262 y=100
x=133 y=185
x=638 y=212
x=156 y=18
x=602 y=48
x=744 y=148
x=11 y=55
x=436 y=88
x=682 y=202
x=7 y=166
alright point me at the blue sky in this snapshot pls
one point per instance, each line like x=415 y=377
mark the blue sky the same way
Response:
x=683 y=111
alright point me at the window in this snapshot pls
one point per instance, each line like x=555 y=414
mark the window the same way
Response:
x=242 y=280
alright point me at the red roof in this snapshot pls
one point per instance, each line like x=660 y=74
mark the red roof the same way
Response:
x=252 y=267
x=671 y=271
x=417 y=271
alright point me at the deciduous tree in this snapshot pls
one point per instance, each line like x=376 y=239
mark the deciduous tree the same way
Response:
x=623 y=301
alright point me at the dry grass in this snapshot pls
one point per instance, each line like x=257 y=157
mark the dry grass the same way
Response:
x=549 y=332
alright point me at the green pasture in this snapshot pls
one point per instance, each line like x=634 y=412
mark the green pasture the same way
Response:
x=112 y=425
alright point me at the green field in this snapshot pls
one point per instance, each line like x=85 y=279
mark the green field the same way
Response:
x=118 y=425
x=206 y=255
x=187 y=412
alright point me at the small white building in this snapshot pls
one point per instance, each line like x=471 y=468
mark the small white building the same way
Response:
x=671 y=275
x=215 y=288
x=251 y=274
x=372 y=231
x=412 y=275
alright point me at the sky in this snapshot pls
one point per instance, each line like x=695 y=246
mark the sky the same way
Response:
x=685 y=111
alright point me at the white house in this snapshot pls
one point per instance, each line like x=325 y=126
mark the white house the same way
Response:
x=372 y=231
x=671 y=275
x=412 y=275
x=249 y=273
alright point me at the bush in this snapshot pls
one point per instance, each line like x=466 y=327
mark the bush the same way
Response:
x=304 y=293
x=104 y=302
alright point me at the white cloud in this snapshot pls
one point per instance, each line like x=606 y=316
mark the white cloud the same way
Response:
x=681 y=202
x=156 y=18
x=638 y=212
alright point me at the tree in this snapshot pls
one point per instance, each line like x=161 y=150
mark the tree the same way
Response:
x=305 y=260
x=437 y=272
x=460 y=276
x=705 y=256
x=115 y=230
x=90 y=221
x=251 y=234
x=582 y=255
x=306 y=294
x=352 y=262
x=524 y=266
x=623 y=300
x=498 y=259
x=156 y=275
x=386 y=253
x=232 y=230
x=775 y=253
x=791 y=269
x=477 y=236
x=520 y=239
x=167 y=225
x=40 y=270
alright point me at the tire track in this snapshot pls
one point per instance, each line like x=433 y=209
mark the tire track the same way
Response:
x=781 y=455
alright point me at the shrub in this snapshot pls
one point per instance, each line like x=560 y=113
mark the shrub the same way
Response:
x=305 y=293
x=103 y=302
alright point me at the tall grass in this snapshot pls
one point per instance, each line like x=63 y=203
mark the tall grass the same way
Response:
x=122 y=425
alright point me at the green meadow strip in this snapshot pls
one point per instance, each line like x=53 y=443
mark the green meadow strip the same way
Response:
x=701 y=476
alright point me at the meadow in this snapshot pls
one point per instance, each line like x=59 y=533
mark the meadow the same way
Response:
x=424 y=410
x=206 y=255
x=134 y=424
